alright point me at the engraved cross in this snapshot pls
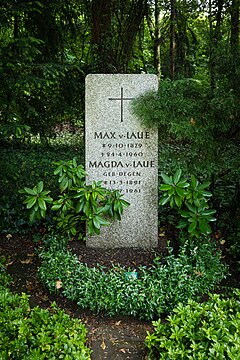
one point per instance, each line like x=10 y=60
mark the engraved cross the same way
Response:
x=121 y=99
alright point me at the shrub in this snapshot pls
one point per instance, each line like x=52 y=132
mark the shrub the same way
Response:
x=35 y=334
x=77 y=202
x=190 y=198
x=157 y=290
x=25 y=168
x=210 y=330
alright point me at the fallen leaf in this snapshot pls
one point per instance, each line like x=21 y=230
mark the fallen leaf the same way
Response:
x=162 y=234
x=103 y=345
x=9 y=263
x=29 y=286
x=124 y=351
x=222 y=242
x=9 y=236
x=27 y=261
x=117 y=323
x=45 y=298
x=58 y=284
x=32 y=254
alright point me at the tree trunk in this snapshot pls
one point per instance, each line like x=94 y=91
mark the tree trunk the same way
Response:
x=157 y=57
x=173 y=39
x=235 y=25
x=101 y=21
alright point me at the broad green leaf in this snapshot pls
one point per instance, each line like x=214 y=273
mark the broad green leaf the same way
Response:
x=96 y=223
x=206 y=194
x=190 y=207
x=165 y=187
x=48 y=199
x=192 y=227
x=164 y=200
x=183 y=184
x=177 y=176
x=185 y=214
x=58 y=170
x=30 y=191
x=45 y=192
x=125 y=203
x=43 y=213
x=31 y=202
x=42 y=204
x=40 y=187
x=180 y=192
x=167 y=179
x=73 y=231
x=56 y=207
x=208 y=212
x=79 y=206
x=178 y=201
x=194 y=182
x=182 y=224
x=171 y=201
x=204 y=186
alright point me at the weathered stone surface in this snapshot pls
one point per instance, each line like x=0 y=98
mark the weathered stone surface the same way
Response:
x=124 y=154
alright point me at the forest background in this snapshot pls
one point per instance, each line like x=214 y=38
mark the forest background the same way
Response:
x=47 y=49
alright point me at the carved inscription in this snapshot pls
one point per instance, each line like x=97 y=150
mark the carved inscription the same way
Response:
x=118 y=156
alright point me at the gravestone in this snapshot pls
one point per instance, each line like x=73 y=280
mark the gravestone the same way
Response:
x=124 y=155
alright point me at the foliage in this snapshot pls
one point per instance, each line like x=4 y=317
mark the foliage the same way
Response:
x=77 y=202
x=157 y=290
x=29 y=165
x=36 y=333
x=191 y=200
x=199 y=129
x=208 y=330
x=39 y=86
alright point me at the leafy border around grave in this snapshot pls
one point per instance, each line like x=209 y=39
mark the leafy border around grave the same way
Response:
x=158 y=289
x=37 y=333
x=198 y=331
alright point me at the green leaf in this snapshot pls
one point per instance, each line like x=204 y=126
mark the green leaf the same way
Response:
x=79 y=206
x=180 y=192
x=30 y=191
x=208 y=212
x=178 y=201
x=190 y=207
x=43 y=213
x=164 y=200
x=166 y=179
x=73 y=231
x=177 y=176
x=42 y=204
x=183 y=183
x=40 y=187
x=58 y=170
x=165 y=187
x=194 y=182
x=96 y=222
x=56 y=207
x=31 y=202
x=192 y=227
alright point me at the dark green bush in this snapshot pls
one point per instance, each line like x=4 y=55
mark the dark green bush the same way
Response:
x=76 y=203
x=158 y=289
x=25 y=167
x=34 y=334
x=210 y=330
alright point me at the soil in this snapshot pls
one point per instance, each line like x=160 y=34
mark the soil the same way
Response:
x=109 y=338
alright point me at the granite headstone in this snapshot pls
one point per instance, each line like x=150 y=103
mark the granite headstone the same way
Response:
x=124 y=155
